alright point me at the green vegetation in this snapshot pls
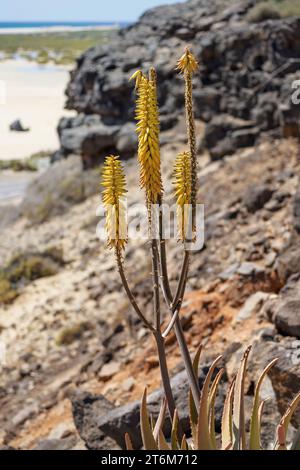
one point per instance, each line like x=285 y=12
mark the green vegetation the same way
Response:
x=273 y=9
x=68 y=335
x=7 y=292
x=59 y=47
x=25 y=268
x=28 y=164
x=202 y=417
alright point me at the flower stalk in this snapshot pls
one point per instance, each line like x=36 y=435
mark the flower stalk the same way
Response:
x=147 y=116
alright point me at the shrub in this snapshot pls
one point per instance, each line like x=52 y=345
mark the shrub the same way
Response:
x=263 y=11
x=7 y=292
x=70 y=334
x=24 y=268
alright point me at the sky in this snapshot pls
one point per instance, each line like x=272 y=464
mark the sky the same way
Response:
x=76 y=10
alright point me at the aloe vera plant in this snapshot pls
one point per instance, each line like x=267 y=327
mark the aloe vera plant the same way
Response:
x=202 y=435
x=114 y=182
x=201 y=402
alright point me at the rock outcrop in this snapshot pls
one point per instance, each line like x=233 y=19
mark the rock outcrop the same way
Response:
x=244 y=86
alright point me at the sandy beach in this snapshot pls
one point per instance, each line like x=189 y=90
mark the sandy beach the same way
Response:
x=35 y=95
x=57 y=29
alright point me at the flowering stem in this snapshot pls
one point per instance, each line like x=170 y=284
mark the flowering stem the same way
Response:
x=129 y=293
x=192 y=141
x=174 y=306
x=160 y=344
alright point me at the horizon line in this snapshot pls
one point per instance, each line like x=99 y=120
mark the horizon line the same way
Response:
x=64 y=21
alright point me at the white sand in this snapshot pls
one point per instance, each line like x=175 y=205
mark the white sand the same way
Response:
x=57 y=29
x=35 y=95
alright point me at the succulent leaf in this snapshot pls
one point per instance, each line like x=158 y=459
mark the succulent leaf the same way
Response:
x=162 y=443
x=212 y=399
x=226 y=428
x=256 y=412
x=192 y=406
x=203 y=441
x=238 y=421
x=285 y=420
x=147 y=436
x=128 y=442
x=174 y=436
x=160 y=420
x=184 y=445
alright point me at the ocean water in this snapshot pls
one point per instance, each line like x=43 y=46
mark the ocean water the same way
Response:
x=51 y=24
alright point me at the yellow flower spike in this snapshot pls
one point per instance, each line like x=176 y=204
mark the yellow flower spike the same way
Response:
x=114 y=183
x=187 y=63
x=183 y=191
x=148 y=137
x=137 y=76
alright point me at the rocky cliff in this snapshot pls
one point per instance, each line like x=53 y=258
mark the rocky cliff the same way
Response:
x=244 y=86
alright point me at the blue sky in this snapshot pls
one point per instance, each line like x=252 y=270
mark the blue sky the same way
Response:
x=76 y=10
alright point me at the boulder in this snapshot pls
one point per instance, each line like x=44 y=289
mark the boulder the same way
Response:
x=17 y=126
x=86 y=410
x=288 y=262
x=89 y=137
x=256 y=197
x=286 y=311
x=237 y=76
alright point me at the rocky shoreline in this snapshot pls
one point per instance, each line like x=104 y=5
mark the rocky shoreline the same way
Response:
x=242 y=92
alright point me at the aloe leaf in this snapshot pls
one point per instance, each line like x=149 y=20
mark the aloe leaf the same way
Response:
x=174 y=436
x=128 y=442
x=285 y=420
x=255 y=425
x=192 y=405
x=184 y=445
x=147 y=436
x=281 y=438
x=160 y=420
x=212 y=399
x=238 y=420
x=226 y=427
x=203 y=441
x=162 y=443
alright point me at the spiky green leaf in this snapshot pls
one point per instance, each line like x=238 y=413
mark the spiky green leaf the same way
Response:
x=128 y=442
x=192 y=406
x=256 y=415
x=212 y=399
x=162 y=443
x=147 y=436
x=226 y=427
x=203 y=441
x=174 y=435
x=238 y=419
x=285 y=420
x=184 y=445
x=160 y=420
